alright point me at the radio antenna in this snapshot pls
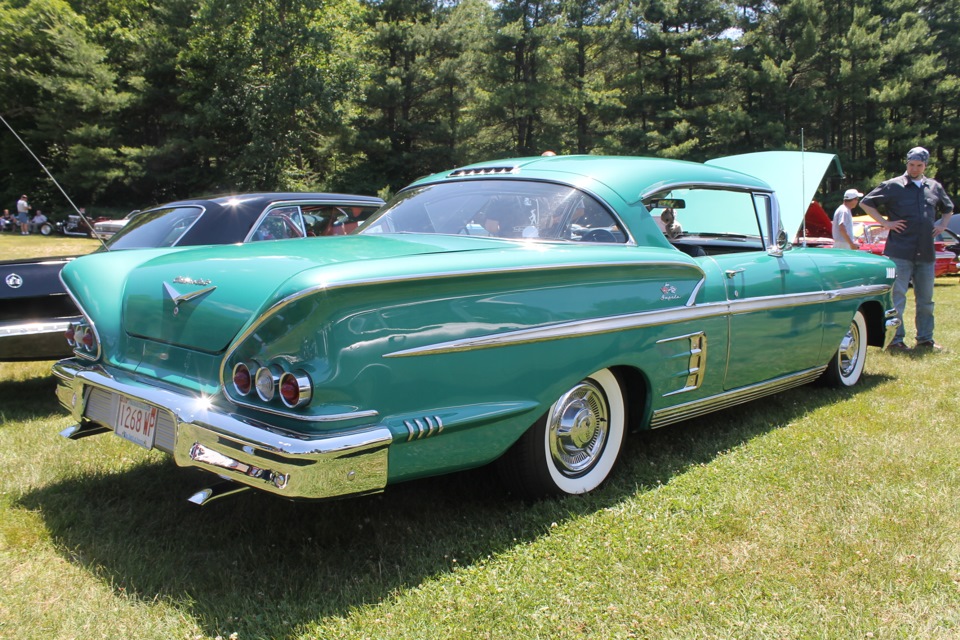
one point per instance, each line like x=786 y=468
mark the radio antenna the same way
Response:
x=803 y=187
x=54 y=180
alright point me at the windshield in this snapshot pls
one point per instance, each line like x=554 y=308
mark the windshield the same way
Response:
x=155 y=228
x=500 y=209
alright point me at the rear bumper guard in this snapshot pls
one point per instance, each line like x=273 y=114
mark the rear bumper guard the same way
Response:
x=232 y=446
x=891 y=323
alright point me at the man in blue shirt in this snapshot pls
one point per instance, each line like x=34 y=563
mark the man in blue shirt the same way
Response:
x=911 y=203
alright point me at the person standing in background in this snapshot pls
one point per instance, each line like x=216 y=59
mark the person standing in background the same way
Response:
x=23 y=215
x=843 y=220
x=911 y=203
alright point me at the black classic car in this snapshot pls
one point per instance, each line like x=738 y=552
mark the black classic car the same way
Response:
x=35 y=310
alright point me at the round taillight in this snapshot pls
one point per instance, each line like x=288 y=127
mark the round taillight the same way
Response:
x=87 y=339
x=242 y=379
x=266 y=382
x=70 y=334
x=295 y=389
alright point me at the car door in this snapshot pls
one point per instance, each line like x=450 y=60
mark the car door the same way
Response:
x=774 y=299
x=776 y=315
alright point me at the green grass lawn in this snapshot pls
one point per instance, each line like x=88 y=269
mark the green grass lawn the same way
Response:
x=813 y=514
x=17 y=247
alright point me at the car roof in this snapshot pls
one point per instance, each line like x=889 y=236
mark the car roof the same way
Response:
x=632 y=178
x=228 y=218
x=262 y=199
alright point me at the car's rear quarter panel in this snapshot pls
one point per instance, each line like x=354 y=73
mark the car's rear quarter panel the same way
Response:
x=487 y=346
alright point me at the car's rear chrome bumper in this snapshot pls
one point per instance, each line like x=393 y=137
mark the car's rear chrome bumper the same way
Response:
x=41 y=340
x=234 y=447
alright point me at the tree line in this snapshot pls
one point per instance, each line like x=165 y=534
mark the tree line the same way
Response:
x=133 y=102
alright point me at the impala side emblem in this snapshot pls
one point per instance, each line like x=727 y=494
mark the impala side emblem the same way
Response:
x=668 y=292
x=14 y=281
x=178 y=297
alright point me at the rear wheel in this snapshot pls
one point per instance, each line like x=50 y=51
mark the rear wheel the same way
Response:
x=573 y=448
x=846 y=366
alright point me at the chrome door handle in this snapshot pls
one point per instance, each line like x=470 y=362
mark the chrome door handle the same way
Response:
x=733 y=272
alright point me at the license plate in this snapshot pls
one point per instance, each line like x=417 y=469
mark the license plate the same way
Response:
x=137 y=422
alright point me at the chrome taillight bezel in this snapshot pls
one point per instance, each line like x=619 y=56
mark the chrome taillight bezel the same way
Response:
x=251 y=370
x=303 y=384
x=266 y=381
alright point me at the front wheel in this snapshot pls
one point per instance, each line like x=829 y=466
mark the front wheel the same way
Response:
x=846 y=366
x=574 y=446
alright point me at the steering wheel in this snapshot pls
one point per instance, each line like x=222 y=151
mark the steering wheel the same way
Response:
x=598 y=235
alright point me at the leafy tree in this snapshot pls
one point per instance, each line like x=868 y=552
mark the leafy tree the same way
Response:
x=62 y=97
x=586 y=99
x=516 y=81
x=268 y=93
x=410 y=122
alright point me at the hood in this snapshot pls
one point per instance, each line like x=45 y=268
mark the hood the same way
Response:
x=794 y=175
x=202 y=298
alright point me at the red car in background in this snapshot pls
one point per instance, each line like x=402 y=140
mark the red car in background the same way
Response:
x=873 y=238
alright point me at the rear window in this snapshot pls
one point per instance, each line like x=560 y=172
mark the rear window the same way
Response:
x=156 y=228
x=514 y=209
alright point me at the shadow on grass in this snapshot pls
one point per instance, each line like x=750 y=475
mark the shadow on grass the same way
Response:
x=29 y=397
x=263 y=566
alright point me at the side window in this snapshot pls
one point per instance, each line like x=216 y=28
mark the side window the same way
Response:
x=710 y=220
x=577 y=219
x=764 y=213
x=279 y=224
x=330 y=220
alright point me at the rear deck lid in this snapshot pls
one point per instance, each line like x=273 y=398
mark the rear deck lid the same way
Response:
x=202 y=298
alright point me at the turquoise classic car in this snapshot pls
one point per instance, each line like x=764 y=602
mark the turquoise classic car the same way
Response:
x=529 y=312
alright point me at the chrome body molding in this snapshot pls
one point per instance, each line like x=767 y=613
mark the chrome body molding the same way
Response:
x=423 y=427
x=667 y=185
x=485 y=171
x=240 y=449
x=697 y=364
x=593 y=326
x=360 y=282
x=293 y=415
x=663 y=417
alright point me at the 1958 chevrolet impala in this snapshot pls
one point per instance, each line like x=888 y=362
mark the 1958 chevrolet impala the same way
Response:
x=527 y=311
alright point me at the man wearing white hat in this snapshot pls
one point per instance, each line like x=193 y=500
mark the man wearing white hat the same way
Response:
x=911 y=203
x=843 y=220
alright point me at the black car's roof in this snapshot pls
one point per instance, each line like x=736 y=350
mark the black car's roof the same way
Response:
x=227 y=219
x=262 y=199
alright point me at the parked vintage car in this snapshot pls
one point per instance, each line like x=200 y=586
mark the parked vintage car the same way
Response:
x=75 y=225
x=106 y=229
x=873 y=238
x=35 y=310
x=525 y=311
x=950 y=241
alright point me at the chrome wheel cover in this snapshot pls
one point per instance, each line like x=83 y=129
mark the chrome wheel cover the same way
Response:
x=849 y=352
x=578 y=429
